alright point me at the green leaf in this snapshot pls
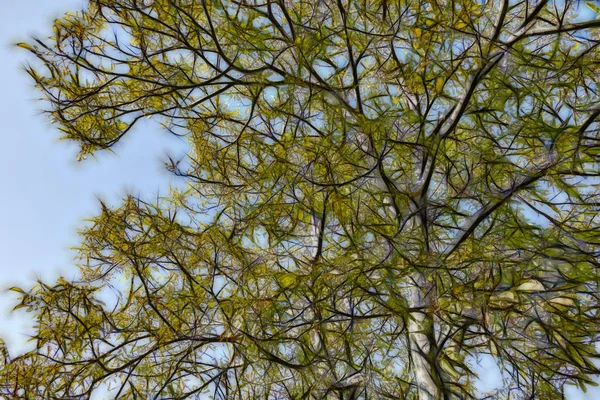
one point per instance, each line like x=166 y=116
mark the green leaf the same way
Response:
x=593 y=7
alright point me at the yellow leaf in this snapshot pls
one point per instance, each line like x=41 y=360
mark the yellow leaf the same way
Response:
x=562 y=301
x=439 y=85
x=451 y=353
x=531 y=286
x=417 y=32
x=449 y=369
x=493 y=348
x=593 y=7
x=461 y=25
x=561 y=341
x=503 y=300
x=25 y=46
x=286 y=280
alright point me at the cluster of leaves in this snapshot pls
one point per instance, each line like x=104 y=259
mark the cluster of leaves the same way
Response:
x=354 y=167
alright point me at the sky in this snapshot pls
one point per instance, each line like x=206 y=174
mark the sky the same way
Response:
x=46 y=195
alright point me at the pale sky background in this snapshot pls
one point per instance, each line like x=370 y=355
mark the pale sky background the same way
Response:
x=46 y=194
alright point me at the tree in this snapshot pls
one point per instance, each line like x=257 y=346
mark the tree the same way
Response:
x=379 y=192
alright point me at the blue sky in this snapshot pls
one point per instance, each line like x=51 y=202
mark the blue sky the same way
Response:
x=46 y=194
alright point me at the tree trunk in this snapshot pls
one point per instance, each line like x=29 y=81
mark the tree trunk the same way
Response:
x=421 y=334
x=422 y=344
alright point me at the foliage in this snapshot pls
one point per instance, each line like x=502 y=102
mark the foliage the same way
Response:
x=378 y=193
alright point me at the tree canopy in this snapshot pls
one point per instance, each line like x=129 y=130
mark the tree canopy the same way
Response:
x=378 y=193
